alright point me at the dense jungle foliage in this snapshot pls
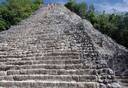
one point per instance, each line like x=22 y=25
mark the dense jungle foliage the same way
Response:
x=13 y=11
x=113 y=25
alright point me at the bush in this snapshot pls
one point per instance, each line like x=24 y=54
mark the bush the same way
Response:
x=78 y=8
x=13 y=11
x=2 y=24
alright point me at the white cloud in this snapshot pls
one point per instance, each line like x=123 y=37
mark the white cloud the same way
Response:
x=108 y=7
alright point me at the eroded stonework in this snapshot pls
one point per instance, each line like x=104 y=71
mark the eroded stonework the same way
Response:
x=54 y=48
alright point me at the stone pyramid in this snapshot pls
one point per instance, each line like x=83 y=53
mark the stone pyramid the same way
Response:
x=55 y=48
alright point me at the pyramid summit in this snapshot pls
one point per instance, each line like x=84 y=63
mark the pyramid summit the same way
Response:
x=55 y=48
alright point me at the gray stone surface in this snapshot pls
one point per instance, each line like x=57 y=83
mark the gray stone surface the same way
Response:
x=57 y=49
x=115 y=54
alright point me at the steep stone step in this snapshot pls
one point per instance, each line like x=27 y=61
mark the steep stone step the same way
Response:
x=30 y=62
x=70 y=55
x=121 y=77
x=39 y=58
x=32 y=57
x=50 y=71
x=68 y=78
x=44 y=66
x=53 y=58
x=124 y=84
x=62 y=54
x=48 y=84
x=67 y=51
x=58 y=49
x=15 y=56
x=123 y=80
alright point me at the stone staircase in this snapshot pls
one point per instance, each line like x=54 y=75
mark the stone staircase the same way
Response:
x=56 y=70
x=51 y=50
x=38 y=56
x=123 y=80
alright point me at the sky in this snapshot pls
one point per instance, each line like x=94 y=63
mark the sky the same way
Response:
x=100 y=5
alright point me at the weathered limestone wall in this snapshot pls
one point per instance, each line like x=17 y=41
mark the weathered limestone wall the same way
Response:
x=115 y=55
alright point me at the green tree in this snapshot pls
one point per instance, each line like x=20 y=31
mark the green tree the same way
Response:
x=91 y=15
x=71 y=4
x=37 y=4
x=13 y=11
x=91 y=8
x=78 y=8
x=2 y=24
x=22 y=8
x=82 y=9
